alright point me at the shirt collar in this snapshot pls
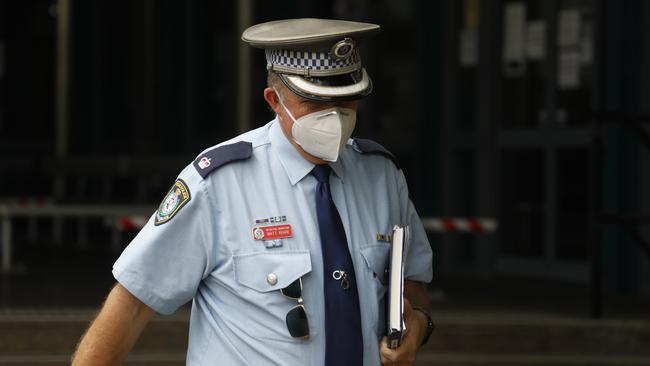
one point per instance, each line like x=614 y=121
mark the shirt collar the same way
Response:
x=337 y=166
x=295 y=165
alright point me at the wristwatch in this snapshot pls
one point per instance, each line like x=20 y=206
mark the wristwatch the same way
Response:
x=430 y=325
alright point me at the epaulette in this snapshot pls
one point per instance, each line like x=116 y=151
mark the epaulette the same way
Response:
x=210 y=160
x=366 y=146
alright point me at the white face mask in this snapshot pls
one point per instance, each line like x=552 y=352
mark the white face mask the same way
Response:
x=323 y=134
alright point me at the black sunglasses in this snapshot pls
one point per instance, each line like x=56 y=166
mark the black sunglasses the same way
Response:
x=296 y=317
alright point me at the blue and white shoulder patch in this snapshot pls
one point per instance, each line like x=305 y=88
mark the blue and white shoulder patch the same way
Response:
x=178 y=196
x=366 y=146
x=210 y=160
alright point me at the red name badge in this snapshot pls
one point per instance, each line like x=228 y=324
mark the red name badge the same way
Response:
x=272 y=232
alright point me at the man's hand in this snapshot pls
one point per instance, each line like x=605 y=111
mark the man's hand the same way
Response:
x=405 y=354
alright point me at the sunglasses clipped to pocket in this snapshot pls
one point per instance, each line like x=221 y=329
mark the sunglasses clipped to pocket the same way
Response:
x=296 y=319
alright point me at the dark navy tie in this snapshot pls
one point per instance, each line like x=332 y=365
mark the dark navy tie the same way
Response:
x=344 y=341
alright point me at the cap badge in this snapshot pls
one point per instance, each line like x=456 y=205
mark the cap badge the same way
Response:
x=342 y=49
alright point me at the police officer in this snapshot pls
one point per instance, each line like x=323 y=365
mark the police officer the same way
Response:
x=279 y=236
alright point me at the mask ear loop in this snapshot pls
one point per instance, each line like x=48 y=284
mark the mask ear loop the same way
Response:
x=284 y=106
x=289 y=113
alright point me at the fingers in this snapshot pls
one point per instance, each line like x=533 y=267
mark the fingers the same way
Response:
x=388 y=356
x=403 y=355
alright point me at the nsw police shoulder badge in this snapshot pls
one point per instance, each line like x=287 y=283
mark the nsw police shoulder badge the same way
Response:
x=178 y=196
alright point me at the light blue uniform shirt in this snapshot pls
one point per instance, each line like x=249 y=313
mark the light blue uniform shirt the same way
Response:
x=207 y=252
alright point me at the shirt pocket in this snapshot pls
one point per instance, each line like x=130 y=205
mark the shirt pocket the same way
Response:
x=260 y=276
x=376 y=259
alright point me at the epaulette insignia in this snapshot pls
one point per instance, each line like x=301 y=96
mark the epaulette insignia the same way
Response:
x=209 y=161
x=366 y=146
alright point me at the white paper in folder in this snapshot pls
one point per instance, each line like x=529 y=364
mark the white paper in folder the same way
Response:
x=395 y=302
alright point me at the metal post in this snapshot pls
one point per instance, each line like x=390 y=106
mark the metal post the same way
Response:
x=245 y=11
x=486 y=151
x=32 y=229
x=57 y=230
x=191 y=77
x=116 y=239
x=82 y=233
x=595 y=222
x=61 y=102
x=62 y=77
x=449 y=177
x=6 y=244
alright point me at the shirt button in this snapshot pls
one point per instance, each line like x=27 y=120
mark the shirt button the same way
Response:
x=272 y=279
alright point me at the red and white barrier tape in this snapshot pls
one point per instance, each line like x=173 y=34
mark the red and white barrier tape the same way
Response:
x=25 y=202
x=130 y=223
x=459 y=224
x=434 y=224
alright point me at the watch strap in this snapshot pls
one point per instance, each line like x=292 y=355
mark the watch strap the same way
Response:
x=430 y=325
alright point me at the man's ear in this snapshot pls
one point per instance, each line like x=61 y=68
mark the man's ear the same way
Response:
x=272 y=99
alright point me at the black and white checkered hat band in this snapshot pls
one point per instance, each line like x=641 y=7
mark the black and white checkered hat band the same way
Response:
x=311 y=63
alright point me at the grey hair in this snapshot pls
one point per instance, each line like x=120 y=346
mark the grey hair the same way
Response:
x=273 y=81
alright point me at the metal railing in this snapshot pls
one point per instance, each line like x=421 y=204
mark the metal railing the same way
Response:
x=10 y=211
x=133 y=217
x=598 y=218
